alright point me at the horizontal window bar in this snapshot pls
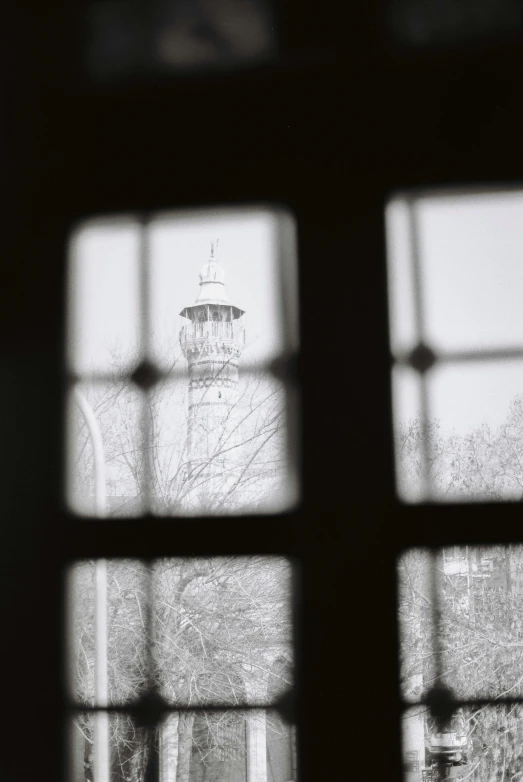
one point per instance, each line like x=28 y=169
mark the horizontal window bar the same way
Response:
x=458 y=356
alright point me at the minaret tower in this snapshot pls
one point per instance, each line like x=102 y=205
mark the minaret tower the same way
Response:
x=212 y=342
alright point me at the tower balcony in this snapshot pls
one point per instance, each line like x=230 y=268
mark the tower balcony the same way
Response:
x=197 y=334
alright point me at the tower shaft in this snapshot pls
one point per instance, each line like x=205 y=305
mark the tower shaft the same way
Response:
x=212 y=341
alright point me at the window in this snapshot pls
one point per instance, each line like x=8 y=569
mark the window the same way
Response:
x=181 y=668
x=77 y=147
x=192 y=405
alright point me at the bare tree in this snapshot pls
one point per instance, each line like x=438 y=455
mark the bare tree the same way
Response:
x=480 y=619
x=218 y=625
x=150 y=456
x=484 y=464
x=479 y=626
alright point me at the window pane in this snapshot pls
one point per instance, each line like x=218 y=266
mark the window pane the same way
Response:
x=403 y=329
x=471 y=266
x=416 y=638
x=245 y=275
x=217 y=746
x=408 y=433
x=105 y=747
x=474 y=434
x=103 y=296
x=483 y=743
x=479 y=410
x=415 y=755
x=472 y=642
x=421 y=23
x=126 y=39
x=219 y=452
x=203 y=631
x=113 y=650
x=118 y=412
x=482 y=621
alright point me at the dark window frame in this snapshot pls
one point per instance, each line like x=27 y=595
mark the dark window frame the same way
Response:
x=416 y=120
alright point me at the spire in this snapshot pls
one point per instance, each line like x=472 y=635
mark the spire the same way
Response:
x=212 y=280
x=212 y=287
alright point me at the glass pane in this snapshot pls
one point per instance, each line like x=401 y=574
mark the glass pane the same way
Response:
x=472 y=266
x=421 y=23
x=471 y=263
x=408 y=435
x=106 y=457
x=479 y=624
x=223 y=267
x=81 y=632
x=103 y=296
x=415 y=754
x=108 y=609
x=401 y=284
x=481 y=621
x=106 y=747
x=217 y=746
x=416 y=652
x=223 y=630
x=80 y=748
x=479 y=410
x=128 y=39
x=474 y=433
x=221 y=447
x=220 y=631
x=482 y=744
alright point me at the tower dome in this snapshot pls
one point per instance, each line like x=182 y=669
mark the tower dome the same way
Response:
x=212 y=284
x=212 y=293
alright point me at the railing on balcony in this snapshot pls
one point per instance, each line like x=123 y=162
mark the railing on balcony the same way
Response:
x=208 y=329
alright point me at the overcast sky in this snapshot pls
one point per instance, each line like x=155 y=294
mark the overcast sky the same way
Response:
x=471 y=250
x=104 y=281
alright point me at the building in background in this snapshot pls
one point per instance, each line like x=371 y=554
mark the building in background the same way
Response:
x=212 y=342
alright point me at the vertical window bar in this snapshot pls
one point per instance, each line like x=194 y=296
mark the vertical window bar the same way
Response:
x=419 y=318
x=145 y=353
x=95 y=435
x=101 y=718
x=436 y=577
x=415 y=254
x=439 y=710
x=285 y=239
x=147 y=452
x=145 y=289
x=150 y=630
x=101 y=724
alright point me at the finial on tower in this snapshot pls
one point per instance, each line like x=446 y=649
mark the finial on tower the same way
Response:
x=214 y=249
